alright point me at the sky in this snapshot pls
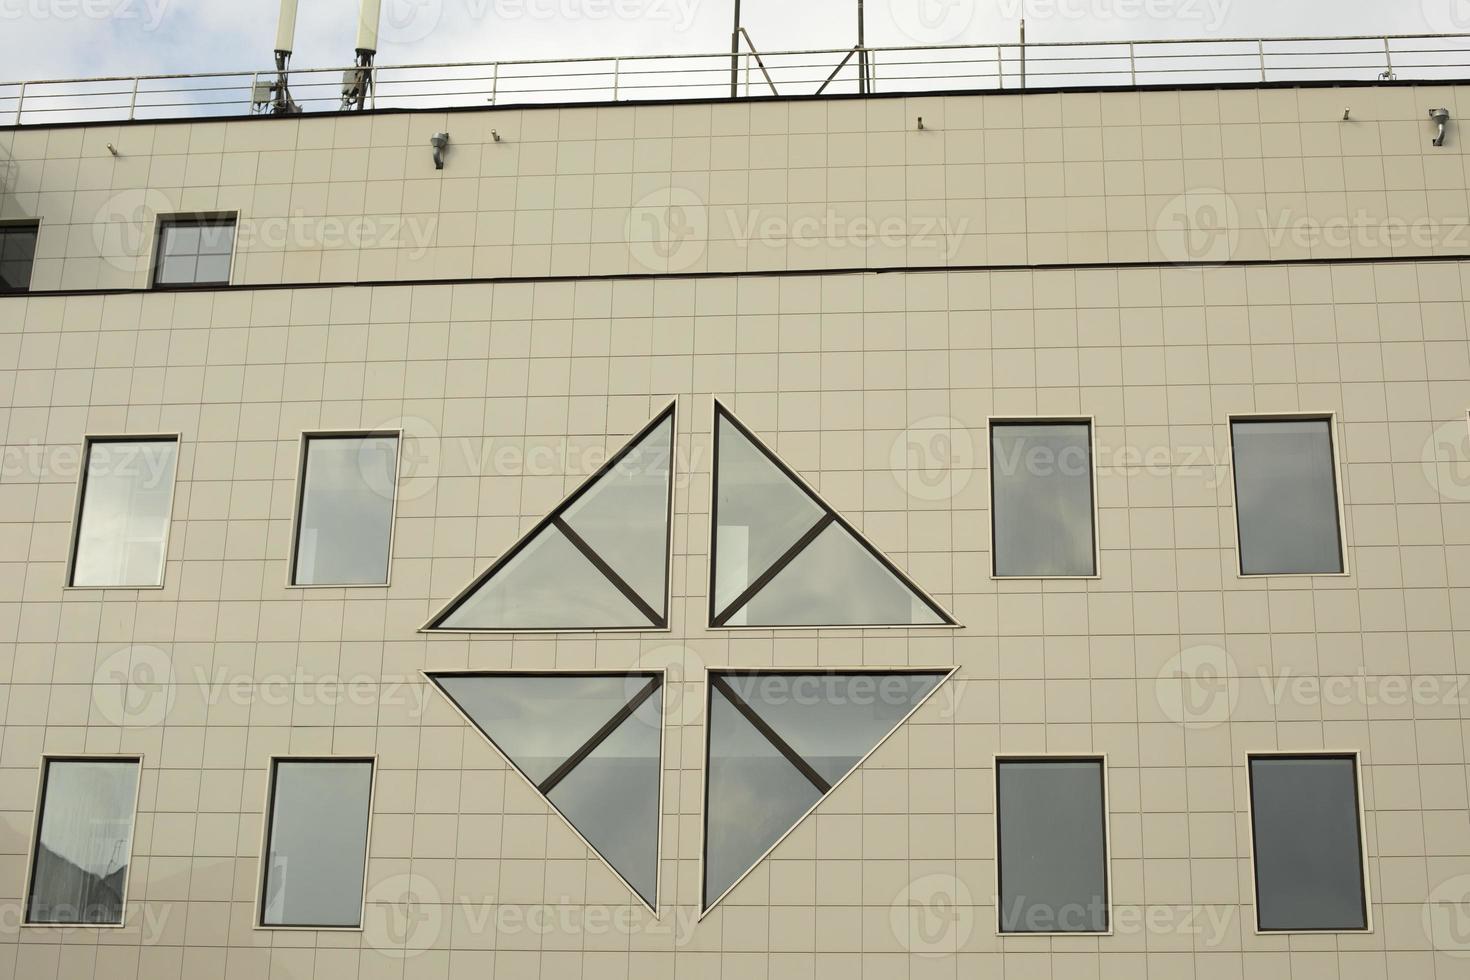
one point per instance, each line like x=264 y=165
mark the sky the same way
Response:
x=42 y=39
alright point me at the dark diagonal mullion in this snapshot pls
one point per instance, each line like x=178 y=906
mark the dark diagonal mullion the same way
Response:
x=598 y=737
x=764 y=578
x=781 y=745
x=607 y=570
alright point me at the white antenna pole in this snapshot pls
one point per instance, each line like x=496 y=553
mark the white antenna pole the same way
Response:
x=367 y=26
x=286 y=28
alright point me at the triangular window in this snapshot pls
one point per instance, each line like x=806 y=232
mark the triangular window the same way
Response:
x=599 y=561
x=590 y=744
x=778 y=742
x=780 y=556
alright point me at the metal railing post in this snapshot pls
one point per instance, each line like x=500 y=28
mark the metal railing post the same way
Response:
x=872 y=71
x=1132 y=66
x=1000 y=68
x=1261 y=54
x=494 y=81
x=250 y=105
x=20 y=103
x=1388 y=56
x=616 y=67
x=373 y=87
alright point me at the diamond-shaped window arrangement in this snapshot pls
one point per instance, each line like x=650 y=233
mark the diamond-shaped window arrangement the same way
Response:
x=599 y=561
x=591 y=744
x=778 y=742
x=780 y=556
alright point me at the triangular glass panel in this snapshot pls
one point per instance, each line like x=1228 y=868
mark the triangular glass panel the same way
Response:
x=599 y=561
x=590 y=744
x=780 y=556
x=777 y=744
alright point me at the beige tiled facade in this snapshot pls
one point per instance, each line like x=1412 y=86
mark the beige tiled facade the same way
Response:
x=875 y=387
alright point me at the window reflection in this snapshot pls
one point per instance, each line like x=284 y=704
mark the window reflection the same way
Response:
x=84 y=845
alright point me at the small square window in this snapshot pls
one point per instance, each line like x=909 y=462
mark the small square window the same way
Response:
x=1041 y=511
x=17 y=255
x=194 y=251
x=1052 y=842
x=316 y=845
x=344 y=513
x=1307 y=841
x=83 y=842
x=125 y=499
x=1286 y=505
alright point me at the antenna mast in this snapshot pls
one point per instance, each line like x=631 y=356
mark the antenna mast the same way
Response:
x=280 y=95
x=357 y=82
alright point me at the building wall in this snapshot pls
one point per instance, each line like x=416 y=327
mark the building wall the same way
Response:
x=999 y=179
x=874 y=387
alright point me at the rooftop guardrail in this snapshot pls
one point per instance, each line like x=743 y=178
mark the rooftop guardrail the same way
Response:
x=919 y=68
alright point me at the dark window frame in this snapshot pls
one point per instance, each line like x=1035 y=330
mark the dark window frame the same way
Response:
x=25 y=224
x=1365 y=893
x=303 y=452
x=267 y=819
x=658 y=621
x=720 y=619
x=88 y=441
x=1090 y=422
x=202 y=219
x=47 y=760
x=1101 y=759
x=1338 y=490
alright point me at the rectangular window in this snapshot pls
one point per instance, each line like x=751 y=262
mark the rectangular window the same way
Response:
x=124 y=502
x=1286 y=507
x=17 y=255
x=83 y=842
x=316 y=843
x=1041 y=499
x=1051 y=830
x=344 y=512
x=1307 y=841
x=194 y=251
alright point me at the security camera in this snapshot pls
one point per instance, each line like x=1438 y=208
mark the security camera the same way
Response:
x=439 y=141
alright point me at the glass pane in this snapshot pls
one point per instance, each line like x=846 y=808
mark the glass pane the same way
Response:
x=833 y=720
x=86 y=840
x=1053 y=855
x=1286 y=497
x=125 y=512
x=611 y=797
x=753 y=795
x=549 y=584
x=15 y=276
x=835 y=581
x=212 y=268
x=761 y=514
x=177 y=268
x=625 y=515
x=180 y=239
x=216 y=238
x=1308 y=858
x=539 y=721
x=1041 y=499
x=318 y=843
x=18 y=243
x=346 y=511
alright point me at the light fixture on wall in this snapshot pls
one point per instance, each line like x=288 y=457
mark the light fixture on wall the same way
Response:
x=1440 y=116
x=439 y=141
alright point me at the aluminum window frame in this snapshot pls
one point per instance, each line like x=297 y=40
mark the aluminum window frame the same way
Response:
x=1250 y=804
x=40 y=805
x=661 y=673
x=670 y=409
x=80 y=498
x=831 y=516
x=947 y=673
x=28 y=223
x=162 y=221
x=1107 y=819
x=1339 y=489
x=263 y=870
x=302 y=452
x=991 y=421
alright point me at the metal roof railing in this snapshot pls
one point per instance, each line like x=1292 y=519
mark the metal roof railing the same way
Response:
x=633 y=78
